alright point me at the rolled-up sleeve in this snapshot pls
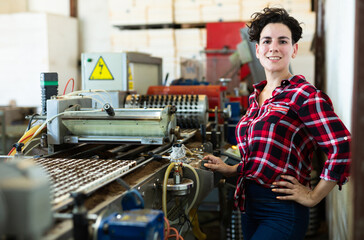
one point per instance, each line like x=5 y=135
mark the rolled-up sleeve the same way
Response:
x=331 y=135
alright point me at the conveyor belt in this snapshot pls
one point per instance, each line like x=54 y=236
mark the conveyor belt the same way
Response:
x=80 y=175
x=86 y=175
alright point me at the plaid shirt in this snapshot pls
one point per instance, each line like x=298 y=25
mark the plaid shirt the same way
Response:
x=280 y=136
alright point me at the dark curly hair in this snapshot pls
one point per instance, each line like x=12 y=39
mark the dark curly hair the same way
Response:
x=273 y=15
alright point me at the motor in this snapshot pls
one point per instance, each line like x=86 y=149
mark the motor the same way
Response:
x=134 y=222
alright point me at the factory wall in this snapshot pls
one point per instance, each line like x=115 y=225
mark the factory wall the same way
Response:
x=339 y=28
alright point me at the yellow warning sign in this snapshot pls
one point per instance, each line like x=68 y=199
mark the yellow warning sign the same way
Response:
x=101 y=71
x=130 y=80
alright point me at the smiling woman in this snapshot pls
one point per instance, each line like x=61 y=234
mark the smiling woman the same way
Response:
x=276 y=49
x=287 y=119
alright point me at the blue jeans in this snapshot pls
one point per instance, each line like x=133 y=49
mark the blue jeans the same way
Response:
x=267 y=218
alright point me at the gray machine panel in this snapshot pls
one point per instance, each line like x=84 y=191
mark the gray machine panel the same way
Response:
x=120 y=71
x=55 y=129
x=110 y=66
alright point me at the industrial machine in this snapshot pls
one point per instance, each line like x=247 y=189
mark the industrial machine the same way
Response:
x=91 y=142
x=81 y=123
x=25 y=208
x=82 y=169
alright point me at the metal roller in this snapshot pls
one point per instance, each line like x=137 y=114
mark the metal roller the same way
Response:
x=146 y=126
x=192 y=110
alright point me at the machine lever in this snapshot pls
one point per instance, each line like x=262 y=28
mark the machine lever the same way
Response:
x=157 y=156
x=109 y=110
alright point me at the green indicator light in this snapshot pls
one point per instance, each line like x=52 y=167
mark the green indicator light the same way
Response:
x=49 y=83
x=89 y=59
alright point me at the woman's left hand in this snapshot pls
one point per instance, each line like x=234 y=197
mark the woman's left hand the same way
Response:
x=295 y=191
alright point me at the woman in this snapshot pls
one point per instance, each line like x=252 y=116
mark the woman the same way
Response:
x=287 y=119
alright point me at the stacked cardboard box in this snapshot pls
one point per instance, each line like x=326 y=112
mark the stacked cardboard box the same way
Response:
x=32 y=43
x=37 y=36
x=221 y=12
x=60 y=7
x=157 y=42
x=202 y=11
x=128 y=40
x=174 y=44
x=13 y=6
x=190 y=44
x=250 y=7
x=188 y=11
x=133 y=12
x=161 y=43
x=169 y=44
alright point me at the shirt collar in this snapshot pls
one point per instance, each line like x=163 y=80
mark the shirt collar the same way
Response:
x=259 y=86
x=295 y=79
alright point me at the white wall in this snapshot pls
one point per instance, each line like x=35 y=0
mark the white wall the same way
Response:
x=95 y=28
x=339 y=27
x=340 y=21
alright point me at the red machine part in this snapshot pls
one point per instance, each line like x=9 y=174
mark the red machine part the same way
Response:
x=223 y=36
x=215 y=93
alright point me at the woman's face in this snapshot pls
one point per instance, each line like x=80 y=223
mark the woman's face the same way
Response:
x=275 y=49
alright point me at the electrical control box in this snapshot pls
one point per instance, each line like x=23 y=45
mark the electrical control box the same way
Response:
x=123 y=71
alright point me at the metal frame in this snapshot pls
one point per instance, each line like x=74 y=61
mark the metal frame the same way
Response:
x=358 y=124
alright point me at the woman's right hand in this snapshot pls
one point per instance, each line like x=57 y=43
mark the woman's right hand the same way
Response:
x=216 y=164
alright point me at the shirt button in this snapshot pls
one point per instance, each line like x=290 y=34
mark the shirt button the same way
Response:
x=345 y=138
x=284 y=83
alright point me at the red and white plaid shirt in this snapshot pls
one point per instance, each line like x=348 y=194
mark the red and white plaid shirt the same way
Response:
x=280 y=136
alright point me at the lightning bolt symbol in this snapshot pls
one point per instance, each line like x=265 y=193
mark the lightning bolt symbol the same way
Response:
x=101 y=66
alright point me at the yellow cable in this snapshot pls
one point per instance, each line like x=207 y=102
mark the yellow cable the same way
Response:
x=36 y=133
x=25 y=136
x=196 y=225
x=38 y=128
x=164 y=194
x=197 y=188
x=29 y=132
